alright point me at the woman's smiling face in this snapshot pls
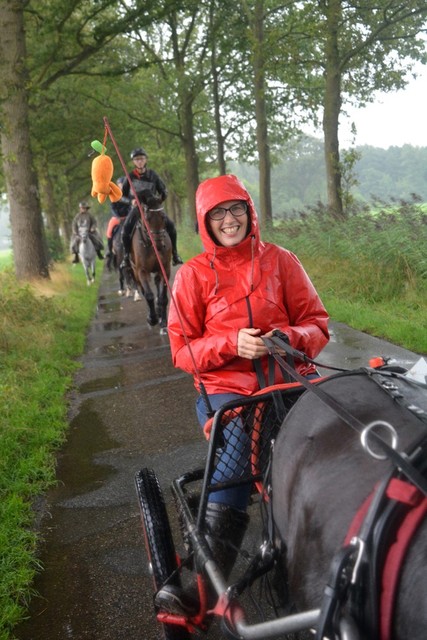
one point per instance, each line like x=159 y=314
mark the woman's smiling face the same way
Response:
x=231 y=229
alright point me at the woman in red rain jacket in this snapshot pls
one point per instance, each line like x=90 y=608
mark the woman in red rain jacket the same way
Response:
x=236 y=291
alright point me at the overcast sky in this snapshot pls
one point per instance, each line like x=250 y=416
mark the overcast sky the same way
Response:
x=394 y=119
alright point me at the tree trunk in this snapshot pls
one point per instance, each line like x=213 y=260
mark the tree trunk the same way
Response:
x=51 y=212
x=186 y=120
x=217 y=114
x=191 y=158
x=331 y=110
x=173 y=204
x=26 y=221
x=266 y=215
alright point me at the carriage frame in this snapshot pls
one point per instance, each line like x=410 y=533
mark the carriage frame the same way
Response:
x=261 y=417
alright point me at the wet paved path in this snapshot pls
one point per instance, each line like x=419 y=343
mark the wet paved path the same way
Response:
x=130 y=409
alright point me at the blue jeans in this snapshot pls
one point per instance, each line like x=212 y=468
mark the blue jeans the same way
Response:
x=234 y=456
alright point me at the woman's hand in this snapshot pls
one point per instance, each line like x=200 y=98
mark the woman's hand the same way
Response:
x=250 y=345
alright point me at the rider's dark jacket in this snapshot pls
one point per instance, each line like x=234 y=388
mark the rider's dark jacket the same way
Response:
x=149 y=179
x=121 y=208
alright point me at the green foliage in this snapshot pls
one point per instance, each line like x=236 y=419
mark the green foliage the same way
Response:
x=55 y=247
x=5 y=258
x=189 y=242
x=40 y=339
x=370 y=174
x=145 y=69
x=371 y=270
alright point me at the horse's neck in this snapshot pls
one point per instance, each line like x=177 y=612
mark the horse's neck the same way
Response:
x=142 y=230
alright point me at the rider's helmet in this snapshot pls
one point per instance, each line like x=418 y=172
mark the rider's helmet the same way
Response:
x=139 y=151
x=84 y=205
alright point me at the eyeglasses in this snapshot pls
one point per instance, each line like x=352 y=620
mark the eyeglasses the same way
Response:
x=236 y=210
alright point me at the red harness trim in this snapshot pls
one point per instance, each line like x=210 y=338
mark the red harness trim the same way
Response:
x=395 y=559
x=406 y=493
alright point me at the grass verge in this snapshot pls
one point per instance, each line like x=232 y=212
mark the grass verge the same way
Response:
x=43 y=332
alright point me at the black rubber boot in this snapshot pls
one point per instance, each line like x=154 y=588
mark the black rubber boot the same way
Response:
x=225 y=527
x=99 y=254
x=76 y=259
x=171 y=229
x=109 y=254
x=126 y=241
x=176 y=259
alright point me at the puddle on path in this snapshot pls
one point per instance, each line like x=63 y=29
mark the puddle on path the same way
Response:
x=109 y=306
x=101 y=384
x=87 y=437
x=109 y=326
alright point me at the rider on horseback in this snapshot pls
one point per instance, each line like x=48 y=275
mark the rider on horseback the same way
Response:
x=143 y=180
x=119 y=210
x=85 y=219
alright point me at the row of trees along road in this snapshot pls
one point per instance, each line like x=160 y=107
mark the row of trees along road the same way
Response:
x=197 y=82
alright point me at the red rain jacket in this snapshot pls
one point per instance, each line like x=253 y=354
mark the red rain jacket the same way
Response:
x=223 y=290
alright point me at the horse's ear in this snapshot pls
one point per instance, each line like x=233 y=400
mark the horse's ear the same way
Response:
x=153 y=202
x=145 y=195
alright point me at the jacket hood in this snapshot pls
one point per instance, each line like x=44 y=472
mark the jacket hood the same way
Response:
x=211 y=193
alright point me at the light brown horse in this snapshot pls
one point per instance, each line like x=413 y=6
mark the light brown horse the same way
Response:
x=145 y=262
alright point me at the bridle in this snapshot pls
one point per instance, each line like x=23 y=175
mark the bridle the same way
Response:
x=158 y=235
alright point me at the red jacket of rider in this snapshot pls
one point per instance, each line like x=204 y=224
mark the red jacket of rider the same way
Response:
x=225 y=289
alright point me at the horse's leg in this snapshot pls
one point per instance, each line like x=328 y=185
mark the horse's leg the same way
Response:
x=162 y=302
x=144 y=279
x=141 y=266
x=86 y=269
x=158 y=297
x=152 y=317
x=121 y=282
x=138 y=291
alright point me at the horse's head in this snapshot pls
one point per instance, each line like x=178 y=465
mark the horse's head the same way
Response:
x=155 y=217
x=83 y=232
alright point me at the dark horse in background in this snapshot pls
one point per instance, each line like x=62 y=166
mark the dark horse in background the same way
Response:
x=127 y=284
x=321 y=476
x=144 y=260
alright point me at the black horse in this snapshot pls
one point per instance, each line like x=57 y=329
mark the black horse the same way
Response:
x=127 y=284
x=321 y=476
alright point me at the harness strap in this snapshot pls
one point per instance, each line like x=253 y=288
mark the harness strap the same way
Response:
x=256 y=363
x=300 y=355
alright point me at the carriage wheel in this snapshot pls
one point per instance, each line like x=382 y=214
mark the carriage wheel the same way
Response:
x=158 y=540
